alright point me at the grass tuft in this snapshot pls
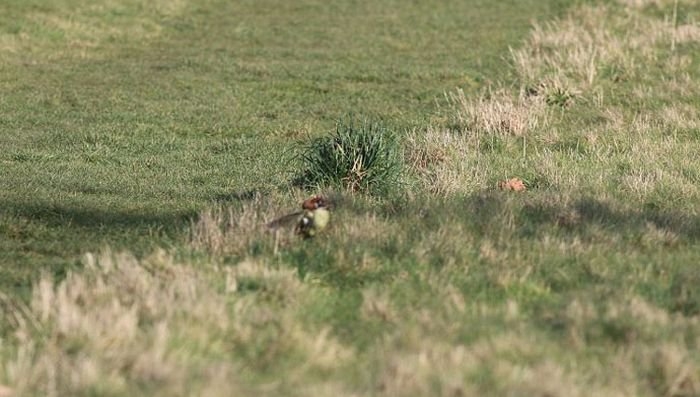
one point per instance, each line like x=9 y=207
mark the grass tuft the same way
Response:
x=361 y=156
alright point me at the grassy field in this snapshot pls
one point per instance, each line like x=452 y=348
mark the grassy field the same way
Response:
x=122 y=120
x=145 y=145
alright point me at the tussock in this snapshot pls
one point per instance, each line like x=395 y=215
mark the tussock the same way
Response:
x=112 y=326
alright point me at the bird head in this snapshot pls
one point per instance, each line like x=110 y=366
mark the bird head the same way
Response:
x=314 y=203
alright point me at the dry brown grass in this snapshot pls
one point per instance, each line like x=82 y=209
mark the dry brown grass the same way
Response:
x=124 y=322
x=444 y=161
x=663 y=4
x=229 y=230
x=499 y=113
x=111 y=326
x=570 y=53
x=154 y=325
x=183 y=329
x=561 y=64
x=418 y=358
x=235 y=229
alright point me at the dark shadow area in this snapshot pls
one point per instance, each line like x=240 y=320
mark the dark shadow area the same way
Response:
x=486 y=213
x=660 y=239
x=97 y=218
x=575 y=217
x=239 y=196
x=52 y=238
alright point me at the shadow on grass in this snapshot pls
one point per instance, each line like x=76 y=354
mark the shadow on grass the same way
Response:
x=239 y=196
x=51 y=238
x=577 y=216
x=96 y=219
x=659 y=238
x=490 y=212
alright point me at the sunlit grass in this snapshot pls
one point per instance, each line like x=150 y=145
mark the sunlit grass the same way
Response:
x=584 y=283
x=361 y=156
x=121 y=120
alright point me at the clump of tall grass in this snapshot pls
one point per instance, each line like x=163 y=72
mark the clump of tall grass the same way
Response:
x=360 y=156
x=231 y=230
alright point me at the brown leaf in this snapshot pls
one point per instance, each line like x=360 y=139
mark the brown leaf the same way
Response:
x=6 y=391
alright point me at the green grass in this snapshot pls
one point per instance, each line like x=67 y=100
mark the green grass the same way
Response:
x=360 y=156
x=168 y=131
x=122 y=120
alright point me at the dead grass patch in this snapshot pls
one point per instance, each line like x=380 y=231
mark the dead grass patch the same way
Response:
x=440 y=369
x=664 y=4
x=235 y=229
x=654 y=360
x=571 y=52
x=499 y=113
x=562 y=63
x=125 y=322
x=444 y=161
x=111 y=326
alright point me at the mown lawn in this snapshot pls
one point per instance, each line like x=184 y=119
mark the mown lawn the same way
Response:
x=120 y=120
x=149 y=143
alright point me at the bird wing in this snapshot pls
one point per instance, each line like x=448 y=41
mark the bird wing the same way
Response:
x=284 y=220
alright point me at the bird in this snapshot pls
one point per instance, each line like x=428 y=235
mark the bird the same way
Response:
x=312 y=218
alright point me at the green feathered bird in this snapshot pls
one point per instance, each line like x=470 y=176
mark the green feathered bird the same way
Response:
x=313 y=217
